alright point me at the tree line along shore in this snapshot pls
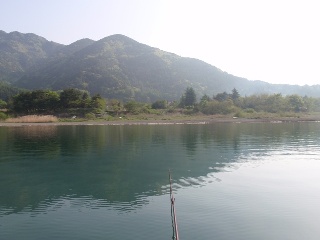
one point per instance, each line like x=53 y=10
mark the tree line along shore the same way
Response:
x=77 y=105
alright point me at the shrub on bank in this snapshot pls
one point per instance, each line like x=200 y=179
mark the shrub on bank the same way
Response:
x=3 y=116
x=90 y=116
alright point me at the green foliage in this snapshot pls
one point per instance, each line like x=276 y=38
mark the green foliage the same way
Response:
x=45 y=99
x=3 y=104
x=78 y=102
x=7 y=91
x=239 y=114
x=296 y=103
x=235 y=94
x=74 y=98
x=249 y=110
x=222 y=96
x=205 y=98
x=189 y=111
x=269 y=103
x=98 y=103
x=189 y=98
x=3 y=116
x=217 y=107
x=224 y=103
x=90 y=116
x=276 y=103
x=36 y=101
x=137 y=107
x=132 y=106
x=50 y=101
x=115 y=106
x=160 y=104
x=312 y=104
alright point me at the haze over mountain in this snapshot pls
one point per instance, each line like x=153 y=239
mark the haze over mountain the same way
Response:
x=119 y=67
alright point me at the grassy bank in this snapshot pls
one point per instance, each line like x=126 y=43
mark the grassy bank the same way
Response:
x=33 y=119
x=199 y=117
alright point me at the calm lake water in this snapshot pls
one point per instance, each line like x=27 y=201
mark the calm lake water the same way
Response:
x=255 y=181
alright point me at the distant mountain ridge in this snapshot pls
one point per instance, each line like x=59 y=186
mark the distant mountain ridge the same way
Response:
x=119 y=67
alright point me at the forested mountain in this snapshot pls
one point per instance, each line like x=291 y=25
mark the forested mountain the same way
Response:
x=7 y=91
x=119 y=67
x=19 y=52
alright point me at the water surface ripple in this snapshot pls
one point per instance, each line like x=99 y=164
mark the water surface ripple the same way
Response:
x=231 y=181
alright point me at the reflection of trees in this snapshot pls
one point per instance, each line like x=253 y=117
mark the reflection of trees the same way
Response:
x=189 y=137
x=121 y=164
x=39 y=132
x=4 y=141
x=34 y=140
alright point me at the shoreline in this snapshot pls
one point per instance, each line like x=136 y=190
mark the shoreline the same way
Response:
x=163 y=122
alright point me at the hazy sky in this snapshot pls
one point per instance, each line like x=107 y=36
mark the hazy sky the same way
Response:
x=276 y=41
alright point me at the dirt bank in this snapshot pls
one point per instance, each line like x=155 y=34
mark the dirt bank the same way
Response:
x=207 y=120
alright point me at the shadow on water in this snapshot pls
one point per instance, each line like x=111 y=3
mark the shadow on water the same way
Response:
x=122 y=165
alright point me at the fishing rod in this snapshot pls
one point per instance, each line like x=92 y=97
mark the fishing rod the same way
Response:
x=175 y=234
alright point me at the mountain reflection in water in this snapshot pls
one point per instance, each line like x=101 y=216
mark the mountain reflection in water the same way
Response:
x=119 y=166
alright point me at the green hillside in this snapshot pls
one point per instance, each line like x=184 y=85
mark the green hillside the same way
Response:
x=7 y=91
x=19 y=52
x=119 y=67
